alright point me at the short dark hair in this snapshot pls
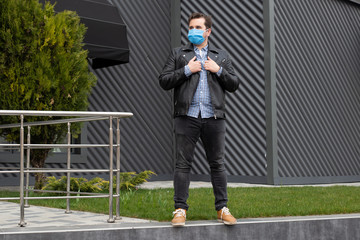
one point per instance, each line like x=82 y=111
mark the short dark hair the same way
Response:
x=208 y=21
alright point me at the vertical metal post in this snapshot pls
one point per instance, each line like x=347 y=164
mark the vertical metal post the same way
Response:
x=22 y=210
x=118 y=170
x=270 y=93
x=27 y=168
x=175 y=23
x=68 y=168
x=175 y=36
x=111 y=173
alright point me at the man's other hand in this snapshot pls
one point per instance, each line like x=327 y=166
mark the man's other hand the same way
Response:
x=211 y=65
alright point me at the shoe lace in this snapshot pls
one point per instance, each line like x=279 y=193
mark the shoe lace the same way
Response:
x=225 y=211
x=179 y=213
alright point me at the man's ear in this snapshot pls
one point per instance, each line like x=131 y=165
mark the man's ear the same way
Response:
x=209 y=32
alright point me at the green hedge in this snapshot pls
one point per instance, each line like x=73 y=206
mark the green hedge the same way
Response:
x=128 y=181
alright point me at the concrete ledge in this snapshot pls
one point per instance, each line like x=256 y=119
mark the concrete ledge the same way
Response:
x=312 y=227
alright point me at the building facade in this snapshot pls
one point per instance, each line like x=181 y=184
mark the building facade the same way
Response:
x=295 y=118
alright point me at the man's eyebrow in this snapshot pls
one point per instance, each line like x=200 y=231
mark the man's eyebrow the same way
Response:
x=197 y=26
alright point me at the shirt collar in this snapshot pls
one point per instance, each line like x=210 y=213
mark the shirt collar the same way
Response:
x=205 y=48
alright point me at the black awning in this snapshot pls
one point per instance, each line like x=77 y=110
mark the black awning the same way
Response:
x=106 y=37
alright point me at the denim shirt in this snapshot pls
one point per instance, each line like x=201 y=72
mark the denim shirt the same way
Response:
x=201 y=102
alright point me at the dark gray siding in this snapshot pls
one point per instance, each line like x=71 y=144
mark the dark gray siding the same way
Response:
x=317 y=73
x=146 y=139
x=238 y=29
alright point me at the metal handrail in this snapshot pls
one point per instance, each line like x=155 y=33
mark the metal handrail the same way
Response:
x=39 y=170
x=72 y=116
x=46 y=146
x=65 y=113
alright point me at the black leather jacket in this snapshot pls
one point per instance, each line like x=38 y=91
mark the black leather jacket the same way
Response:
x=173 y=77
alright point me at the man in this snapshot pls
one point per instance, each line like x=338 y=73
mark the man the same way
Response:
x=199 y=74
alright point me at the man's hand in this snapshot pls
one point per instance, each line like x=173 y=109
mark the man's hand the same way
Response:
x=211 y=65
x=194 y=66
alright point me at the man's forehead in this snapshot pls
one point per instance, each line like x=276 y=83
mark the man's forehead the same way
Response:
x=197 y=22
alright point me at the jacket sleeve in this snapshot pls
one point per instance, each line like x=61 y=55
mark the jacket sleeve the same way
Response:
x=228 y=79
x=170 y=77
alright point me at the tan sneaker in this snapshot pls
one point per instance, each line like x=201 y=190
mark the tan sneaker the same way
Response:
x=225 y=216
x=179 y=217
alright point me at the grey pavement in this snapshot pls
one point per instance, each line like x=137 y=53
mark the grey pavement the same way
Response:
x=36 y=216
x=50 y=217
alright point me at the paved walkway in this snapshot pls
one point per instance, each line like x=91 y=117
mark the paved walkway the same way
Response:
x=47 y=217
x=50 y=217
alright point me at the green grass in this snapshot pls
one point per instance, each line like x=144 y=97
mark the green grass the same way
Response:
x=243 y=202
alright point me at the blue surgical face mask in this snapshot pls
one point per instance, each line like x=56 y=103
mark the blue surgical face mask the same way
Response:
x=195 y=36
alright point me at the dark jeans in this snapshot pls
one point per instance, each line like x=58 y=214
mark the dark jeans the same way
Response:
x=212 y=134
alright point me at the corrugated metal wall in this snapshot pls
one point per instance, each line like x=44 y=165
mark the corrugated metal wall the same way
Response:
x=146 y=139
x=238 y=29
x=318 y=89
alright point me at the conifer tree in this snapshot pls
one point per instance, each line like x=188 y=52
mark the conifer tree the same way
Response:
x=43 y=66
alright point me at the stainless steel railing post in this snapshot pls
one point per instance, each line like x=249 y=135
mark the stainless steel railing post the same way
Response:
x=118 y=170
x=27 y=168
x=68 y=168
x=111 y=173
x=22 y=210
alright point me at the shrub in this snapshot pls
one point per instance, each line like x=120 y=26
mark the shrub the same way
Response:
x=128 y=181
x=76 y=184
